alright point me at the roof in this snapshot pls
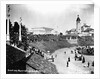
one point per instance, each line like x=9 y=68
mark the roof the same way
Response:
x=88 y=29
x=78 y=19
x=73 y=30
x=85 y=25
x=44 y=28
x=72 y=35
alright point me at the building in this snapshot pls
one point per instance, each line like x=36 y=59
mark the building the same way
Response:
x=72 y=38
x=86 y=31
x=55 y=32
x=84 y=27
x=42 y=30
x=76 y=30
x=72 y=31
x=78 y=25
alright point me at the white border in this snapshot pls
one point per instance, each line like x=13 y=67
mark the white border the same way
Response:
x=3 y=46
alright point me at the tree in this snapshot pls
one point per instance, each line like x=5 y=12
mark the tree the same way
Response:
x=14 y=35
x=24 y=36
x=85 y=41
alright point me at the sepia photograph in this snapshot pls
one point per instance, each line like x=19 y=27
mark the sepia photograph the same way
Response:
x=49 y=39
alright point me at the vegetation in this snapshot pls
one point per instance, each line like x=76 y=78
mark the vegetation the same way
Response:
x=85 y=41
x=45 y=42
x=50 y=45
x=14 y=35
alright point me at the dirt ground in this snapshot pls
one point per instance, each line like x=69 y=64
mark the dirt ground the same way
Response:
x=74 y=67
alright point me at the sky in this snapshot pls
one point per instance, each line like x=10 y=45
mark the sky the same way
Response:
x=60 y=16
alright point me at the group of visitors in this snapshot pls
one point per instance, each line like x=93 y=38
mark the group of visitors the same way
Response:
x=81 y=57
x=78 y=57
x=33 y=50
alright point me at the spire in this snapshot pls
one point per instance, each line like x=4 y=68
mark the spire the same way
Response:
x=78 y=19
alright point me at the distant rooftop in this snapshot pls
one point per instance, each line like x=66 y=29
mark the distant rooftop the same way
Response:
x=45 y=28
x=85 y=25
x=72 y=35
x=88 y=29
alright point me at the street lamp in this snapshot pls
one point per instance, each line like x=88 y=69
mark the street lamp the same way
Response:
x=8 y=15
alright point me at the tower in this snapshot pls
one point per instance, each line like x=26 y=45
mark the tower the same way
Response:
x=78 y=25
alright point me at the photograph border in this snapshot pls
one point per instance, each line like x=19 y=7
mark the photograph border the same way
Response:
x=3 y=46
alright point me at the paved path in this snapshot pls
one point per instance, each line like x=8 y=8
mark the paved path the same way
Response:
x=75 y=67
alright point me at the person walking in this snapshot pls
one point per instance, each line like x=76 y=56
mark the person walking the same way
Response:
x=75 y=56
x=68 y=59
x=88 y=64
x=65 y=52
x=52 y=58
x=83 y=60
x=71 y=52
x=67 y=63
x=93 y=63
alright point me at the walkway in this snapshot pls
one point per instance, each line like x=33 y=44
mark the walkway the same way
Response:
x=75 y=67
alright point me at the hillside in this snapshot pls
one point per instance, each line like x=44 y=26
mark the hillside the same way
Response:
x=40 y=65
x=50 y=45
x=85 y=41
x=18 y=63
x=54 y=42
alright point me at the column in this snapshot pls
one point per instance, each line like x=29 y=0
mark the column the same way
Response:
x=20 y=29
x=8 y=15
x=8 y=38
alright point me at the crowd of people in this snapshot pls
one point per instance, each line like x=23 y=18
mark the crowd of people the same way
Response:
x=88 y=50
x=78 y=56
x=34 y=50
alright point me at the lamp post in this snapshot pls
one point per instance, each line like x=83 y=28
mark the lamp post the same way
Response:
x=8 y=15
